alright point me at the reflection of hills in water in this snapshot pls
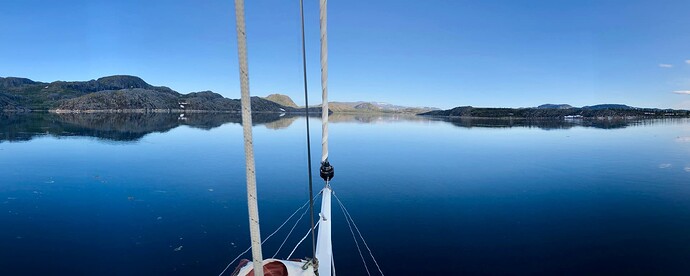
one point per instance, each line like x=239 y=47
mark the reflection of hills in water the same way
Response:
x=134 y=126
x=281 y=123
x=551 y=124
x=470 y=122
x=373 y=118
x=119 y=126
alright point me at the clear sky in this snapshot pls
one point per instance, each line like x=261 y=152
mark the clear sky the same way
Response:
x=441 y=53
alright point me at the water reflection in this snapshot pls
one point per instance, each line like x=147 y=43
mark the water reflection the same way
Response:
x=119 y=126
x=507 y=123
x=373 y=118
x=683 y=139
x=280 y=123
x=551 y=124
x=134 y=126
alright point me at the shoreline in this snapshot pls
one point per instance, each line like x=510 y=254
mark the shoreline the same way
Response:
x=559 y=118
x=198 y=111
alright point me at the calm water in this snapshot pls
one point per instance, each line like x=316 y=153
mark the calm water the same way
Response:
x=161 y=195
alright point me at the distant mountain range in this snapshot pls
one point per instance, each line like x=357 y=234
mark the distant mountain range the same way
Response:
x=123 y=93
x=355 y=107
x=593 y=107
x=558 y=111
x=554 y=106
x=375 y=107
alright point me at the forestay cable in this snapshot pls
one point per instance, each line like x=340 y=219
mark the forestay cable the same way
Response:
x=342 y=206
x=289 y=233
x=267 y=238
x=300 y=241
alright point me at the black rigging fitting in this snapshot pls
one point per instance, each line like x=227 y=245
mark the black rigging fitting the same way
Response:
x=326 y=171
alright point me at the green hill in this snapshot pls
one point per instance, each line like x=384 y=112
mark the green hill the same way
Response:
x=118 y=93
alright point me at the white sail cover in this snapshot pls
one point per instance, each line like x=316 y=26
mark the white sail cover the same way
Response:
x=275 y=267
x=324 y=247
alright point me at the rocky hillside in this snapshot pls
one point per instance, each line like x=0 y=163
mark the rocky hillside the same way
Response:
x=281 y=99
x=43 y=96
x=151 y=100
x=118 y=93
x=9 y=101
x=137 y=98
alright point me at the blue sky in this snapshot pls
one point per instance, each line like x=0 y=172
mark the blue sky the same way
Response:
x=434 y=53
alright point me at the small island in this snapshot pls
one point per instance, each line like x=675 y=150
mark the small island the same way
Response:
x=562 y=111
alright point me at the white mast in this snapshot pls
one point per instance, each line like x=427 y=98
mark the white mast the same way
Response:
x=323 y=4
x=324 y=246
x=248 y=148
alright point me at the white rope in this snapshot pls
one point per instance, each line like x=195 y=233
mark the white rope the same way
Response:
x=300 y=241
x=323 y=6
x=342 y=208
x=267 y=238
x=360 y=234
x=290 y=233
x=248 y=145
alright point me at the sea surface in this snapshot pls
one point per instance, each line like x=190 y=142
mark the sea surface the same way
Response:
x=164 y=194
